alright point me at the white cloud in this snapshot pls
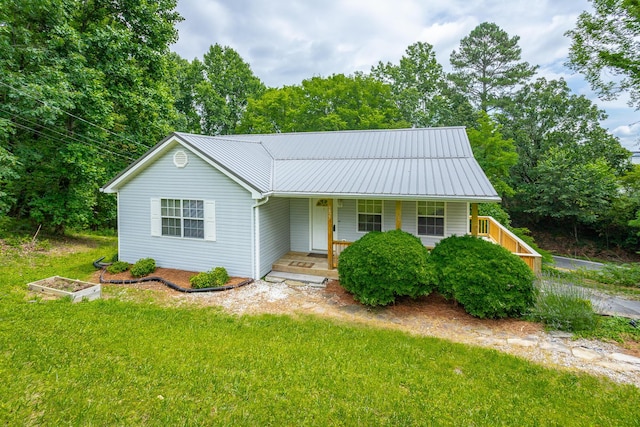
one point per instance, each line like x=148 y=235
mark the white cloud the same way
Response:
x=286 y=42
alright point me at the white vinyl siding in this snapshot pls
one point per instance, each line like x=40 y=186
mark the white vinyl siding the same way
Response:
x=274 y=232
x=228 y=217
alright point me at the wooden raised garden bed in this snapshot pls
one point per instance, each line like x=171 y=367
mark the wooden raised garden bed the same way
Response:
x=63 y=287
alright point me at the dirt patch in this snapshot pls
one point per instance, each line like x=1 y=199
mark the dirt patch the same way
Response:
x=567 y=246
x=63 y=284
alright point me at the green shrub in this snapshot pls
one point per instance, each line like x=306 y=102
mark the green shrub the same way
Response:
x=487 y=279
x=210 y=279
x=563 y=306
x=118 y=267
x=381 y=266
x=143 y=267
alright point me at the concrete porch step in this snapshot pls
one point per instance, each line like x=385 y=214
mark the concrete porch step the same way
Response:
x=307 y=279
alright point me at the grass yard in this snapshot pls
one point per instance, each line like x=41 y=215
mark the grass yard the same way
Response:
x=113 y=362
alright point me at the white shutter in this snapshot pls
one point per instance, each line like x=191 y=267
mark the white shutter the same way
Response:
x=210 y=220
x=156 y=219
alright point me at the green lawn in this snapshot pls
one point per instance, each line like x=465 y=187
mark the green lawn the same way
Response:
x=113 y=362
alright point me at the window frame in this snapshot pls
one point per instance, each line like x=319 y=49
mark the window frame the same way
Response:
x=358 y=213
x=193 y=217
x=433 y=216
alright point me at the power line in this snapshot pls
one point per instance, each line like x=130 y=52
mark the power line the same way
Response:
x=73 y=115
x=49 y=137
x=100 y=144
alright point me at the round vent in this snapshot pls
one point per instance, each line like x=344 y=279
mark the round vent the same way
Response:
x=180 y=159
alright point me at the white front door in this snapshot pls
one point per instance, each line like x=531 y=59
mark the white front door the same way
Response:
x=319 y=231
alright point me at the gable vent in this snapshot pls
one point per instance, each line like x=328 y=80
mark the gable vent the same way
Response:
x=180 y=159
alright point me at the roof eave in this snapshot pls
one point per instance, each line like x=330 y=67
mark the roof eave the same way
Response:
x=157 y=150
x=449 y=198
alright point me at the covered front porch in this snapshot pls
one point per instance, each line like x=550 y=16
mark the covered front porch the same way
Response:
x=325 y=264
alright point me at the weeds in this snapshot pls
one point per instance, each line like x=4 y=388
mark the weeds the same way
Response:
x=563 y=305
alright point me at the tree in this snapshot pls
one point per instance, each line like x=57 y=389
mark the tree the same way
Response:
x=572 y=189
x=82 y=92
x=495 y=154
x=418 y=86
x=184 y=76
x=605 y=47
x=222 y=91
x=487 y=67
x=545 y=114
x=338 y=102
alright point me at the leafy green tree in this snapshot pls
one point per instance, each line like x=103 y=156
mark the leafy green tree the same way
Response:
x=545 y=114
x=495 y=154
x=572 y=188
x=82 y=92
x=338 y=102
x=418 y=86
x=226 y=83
x=184 y=76
x=605 y=47
x=487 y=66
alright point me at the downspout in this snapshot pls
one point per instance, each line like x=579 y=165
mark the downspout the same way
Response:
x=256 y=236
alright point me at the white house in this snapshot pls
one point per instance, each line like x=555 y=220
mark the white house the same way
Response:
x=193 y=202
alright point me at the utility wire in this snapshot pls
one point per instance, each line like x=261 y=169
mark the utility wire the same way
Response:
x=51 y=138
x=101 y=145
x=73 y=115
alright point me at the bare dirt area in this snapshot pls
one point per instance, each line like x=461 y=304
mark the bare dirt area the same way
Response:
x=427 y=316
x=567 y=246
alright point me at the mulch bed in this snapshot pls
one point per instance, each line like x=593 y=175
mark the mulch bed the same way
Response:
x=179 y=277
x=434 y=306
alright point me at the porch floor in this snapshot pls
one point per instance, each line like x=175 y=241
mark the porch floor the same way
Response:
x=305 y=263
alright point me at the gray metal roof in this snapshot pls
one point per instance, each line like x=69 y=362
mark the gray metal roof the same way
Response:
x=402 y=163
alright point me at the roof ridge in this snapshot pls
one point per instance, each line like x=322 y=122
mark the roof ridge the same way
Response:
x=221 y=137
x=357 y=131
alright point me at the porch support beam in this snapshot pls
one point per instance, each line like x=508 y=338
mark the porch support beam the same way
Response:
x=474 y=219
x=330 y=233
x=398 y=215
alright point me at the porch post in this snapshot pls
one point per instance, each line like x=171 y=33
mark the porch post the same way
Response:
x=398 y=215
x=330 y=233
x=474 y=219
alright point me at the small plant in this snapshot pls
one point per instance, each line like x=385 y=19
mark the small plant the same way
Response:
x=614 y=328
x=210 y=279
x=143 y=267
x=118 y=267
x=561 y=305
x=612 y=274
x=487 y=279
x=379 y=267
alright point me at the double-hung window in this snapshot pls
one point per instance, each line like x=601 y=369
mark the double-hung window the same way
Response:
x=430 y=218
x=186 y=218
x=369 y=215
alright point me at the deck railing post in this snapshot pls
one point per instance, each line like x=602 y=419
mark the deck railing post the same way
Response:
x=330 y=233
x=474 y=219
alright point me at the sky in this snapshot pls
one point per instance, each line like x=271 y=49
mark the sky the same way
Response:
x=287 y=41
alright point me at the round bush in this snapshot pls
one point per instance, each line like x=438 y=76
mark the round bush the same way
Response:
x=487 y=279
x=118 y=267
x=143 y=267
x=381 y=266
x=211 y=279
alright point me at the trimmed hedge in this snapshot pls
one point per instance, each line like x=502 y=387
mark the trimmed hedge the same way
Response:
x=487 y=279
x=143 y=267
x=381 y=266
x=211 y=279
